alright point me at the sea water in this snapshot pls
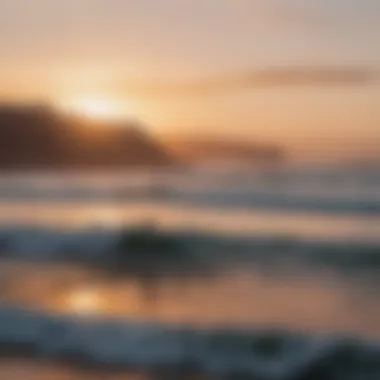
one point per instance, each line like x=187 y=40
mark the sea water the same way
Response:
x=294 y=251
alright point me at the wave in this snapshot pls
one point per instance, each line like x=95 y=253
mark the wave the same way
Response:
x=98 y=245
x=130 y=345
x=266 y=198
x=332 y=205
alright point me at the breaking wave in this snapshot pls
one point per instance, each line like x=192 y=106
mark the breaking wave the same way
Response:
x=97 y=244
x=132 y=345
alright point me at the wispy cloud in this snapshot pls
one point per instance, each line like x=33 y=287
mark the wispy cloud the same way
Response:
x=288 y=14
x=271 y=77
x=315 y=16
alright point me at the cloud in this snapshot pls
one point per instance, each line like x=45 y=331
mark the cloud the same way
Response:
x=315 y=16
x=254 y=79
x=284 y=14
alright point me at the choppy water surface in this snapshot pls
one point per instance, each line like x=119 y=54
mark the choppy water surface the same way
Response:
x=294 y=251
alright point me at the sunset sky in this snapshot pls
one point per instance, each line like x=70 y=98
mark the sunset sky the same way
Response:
x=142 y=54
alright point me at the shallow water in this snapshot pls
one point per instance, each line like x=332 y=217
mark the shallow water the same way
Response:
x=316 y=302
x=280 y=284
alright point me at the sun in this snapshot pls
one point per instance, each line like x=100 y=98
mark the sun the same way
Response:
x=96 y=107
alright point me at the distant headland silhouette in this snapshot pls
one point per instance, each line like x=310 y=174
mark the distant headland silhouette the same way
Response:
x=43 y=137
x=39 y=136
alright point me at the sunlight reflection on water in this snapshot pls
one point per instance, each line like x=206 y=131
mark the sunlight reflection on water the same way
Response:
x=244 y=298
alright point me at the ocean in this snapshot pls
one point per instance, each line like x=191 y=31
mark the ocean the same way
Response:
x=286 y=274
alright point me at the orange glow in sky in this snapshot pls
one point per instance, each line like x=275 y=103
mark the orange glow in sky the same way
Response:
x=97 y=107
x=192 y=75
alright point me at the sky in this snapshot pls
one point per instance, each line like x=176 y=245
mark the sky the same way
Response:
x=207 y=66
